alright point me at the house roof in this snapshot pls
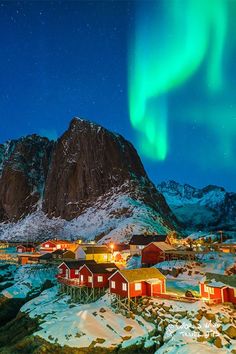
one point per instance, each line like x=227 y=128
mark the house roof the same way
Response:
x=26 y=245
x=58 y=242
x=228 y=280
x=163 y=246
x=96 y=249
x=100 y=268
x=141 y=274
x=144 y=240
x=77 y=264
x=46 y=256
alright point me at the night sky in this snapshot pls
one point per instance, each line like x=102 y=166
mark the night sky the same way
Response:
x=160 y=73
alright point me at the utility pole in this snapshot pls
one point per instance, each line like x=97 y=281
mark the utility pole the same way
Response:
x=221 y=236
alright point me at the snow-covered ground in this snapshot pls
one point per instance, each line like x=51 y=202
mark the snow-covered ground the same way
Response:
x=79 y=325
x=212 y=262
x=115 y=216
x=184 y=327
x=28 y=279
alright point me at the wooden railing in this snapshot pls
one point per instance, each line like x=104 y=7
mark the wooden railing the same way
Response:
x=70 y=282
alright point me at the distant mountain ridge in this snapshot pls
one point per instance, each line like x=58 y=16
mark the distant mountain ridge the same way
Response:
x=208 y=208
x=88 y=183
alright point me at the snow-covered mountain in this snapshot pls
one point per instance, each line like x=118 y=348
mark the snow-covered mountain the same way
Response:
x=90 y=183
x=209 y=208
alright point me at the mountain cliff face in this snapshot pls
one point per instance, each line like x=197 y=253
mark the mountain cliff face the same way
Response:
x=23 y=170
x=90 y=182
x=209 y=208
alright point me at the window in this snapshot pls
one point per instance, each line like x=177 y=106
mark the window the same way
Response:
x=60 y=271
x=124 y=286
x=47 y=245
x=81 y=278
x=209 y=290
x=140 y=247
x=235 y=292
x=113 y=284
x=137 y=286
x=90 y=279
x=100 y=279
x=77 y=271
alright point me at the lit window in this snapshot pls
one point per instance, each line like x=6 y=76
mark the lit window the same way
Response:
x=113 y=284
x=47 y=245
x=124 y=286
x=137 y=286
x=77 y=271
x=81 y=278
x=90 y=279
x=211 y=291
x=234 y=292
x=100 y=279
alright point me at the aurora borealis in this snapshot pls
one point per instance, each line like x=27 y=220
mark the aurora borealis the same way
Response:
x=172 y=41
x=160 y=72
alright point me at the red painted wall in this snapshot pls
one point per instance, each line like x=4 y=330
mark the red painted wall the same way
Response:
x=216 y=295
x=117 y=277
x=231 y=295
x=151 y=255
x=86 y=273
x=25 y=249
x=51 y=247
x=63 y=267
x=142 y=292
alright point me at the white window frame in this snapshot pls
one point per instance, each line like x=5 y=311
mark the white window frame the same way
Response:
x=90 y=279
x=100 y=278
x=77 y=272
x=113 y=284
x=81 y=278
x=211 y=291
x=124 y=286
x=137 y=286
x=60 y=271
x=47 y=245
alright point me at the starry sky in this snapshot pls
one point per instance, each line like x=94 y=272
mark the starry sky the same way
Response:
x=161 y=73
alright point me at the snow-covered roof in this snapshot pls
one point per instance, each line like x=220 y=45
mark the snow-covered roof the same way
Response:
x=163 y=246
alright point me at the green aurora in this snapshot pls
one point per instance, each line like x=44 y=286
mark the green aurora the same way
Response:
x=172 y=41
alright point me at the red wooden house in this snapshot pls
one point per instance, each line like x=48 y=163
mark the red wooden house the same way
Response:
x=138 y=242
x=53 y=245
x=218 y=288
x=70 y=269
x=154 y=253
x=96 y=275
x=137 y=282
x=25 y=248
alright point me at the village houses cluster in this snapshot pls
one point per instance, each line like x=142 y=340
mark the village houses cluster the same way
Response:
x=87 y=270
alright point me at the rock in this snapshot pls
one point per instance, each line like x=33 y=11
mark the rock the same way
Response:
x=102 y=310
x=231 y=332
x=24 y=165
x=217 y=342
x=166 y=308
x=128 y=328
x=86 y=165
x=201 y=339
x=225 y=320
x=210 y=316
